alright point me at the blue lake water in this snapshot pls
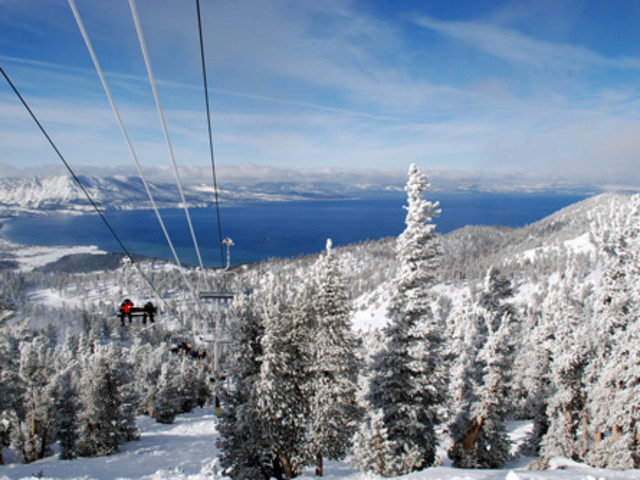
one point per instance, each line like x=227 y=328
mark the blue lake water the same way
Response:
x=278 y=229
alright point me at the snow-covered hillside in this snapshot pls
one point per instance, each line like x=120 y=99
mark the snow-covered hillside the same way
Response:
x=557 y=281
x=186 y=450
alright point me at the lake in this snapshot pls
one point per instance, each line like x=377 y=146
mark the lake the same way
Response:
x=278 y=229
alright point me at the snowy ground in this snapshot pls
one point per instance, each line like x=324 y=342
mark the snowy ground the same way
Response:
x=29 y=257
x=186 y=451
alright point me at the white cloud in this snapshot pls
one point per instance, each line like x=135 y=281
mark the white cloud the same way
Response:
x=322 y=84
x=513 y=46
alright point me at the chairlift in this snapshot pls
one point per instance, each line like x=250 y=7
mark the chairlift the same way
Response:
x=128 y=310
x=221 y=295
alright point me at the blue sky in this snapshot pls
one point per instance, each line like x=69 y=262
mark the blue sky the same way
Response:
x=547 y=88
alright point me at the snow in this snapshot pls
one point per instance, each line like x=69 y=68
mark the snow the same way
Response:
x=579 y=245
x=53 y=298
x=29 y=257
x=186 y=450
x=370 y=309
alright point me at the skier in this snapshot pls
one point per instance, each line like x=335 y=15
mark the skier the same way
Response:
x=125 y=309
x=149 y=310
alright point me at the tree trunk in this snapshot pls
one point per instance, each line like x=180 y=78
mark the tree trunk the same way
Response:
x=286 y=464
x=379 y=464
x=597 y=436
x=585 y=424
x=617 y=433
x=43 y=443
x=585 y=435
x=33 y=440
x=471 y=436
x=319 y=470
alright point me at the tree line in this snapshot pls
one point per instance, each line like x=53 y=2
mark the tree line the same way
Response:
x=463 y=360
x=461 y=355
x=86 y=393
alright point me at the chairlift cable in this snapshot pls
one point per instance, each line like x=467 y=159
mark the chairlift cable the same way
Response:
x=147 y=62
x=128 y=140
x=156 y=96
x=213 y=161
x=82 y=187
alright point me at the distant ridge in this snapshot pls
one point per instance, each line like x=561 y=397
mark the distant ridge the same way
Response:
x=60 y=193
x=37 y=194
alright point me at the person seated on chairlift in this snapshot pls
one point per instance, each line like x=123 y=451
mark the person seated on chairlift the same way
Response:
x=125 y=309
x=149 y=310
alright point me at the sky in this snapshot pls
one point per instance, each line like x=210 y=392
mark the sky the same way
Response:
x=545 y=88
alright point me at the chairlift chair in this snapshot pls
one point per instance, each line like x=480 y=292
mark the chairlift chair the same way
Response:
x=221 y=295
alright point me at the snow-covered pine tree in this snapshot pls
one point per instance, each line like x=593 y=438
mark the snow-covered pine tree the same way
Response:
x=618 y=397
x=532 y=385
x=467 y=337
x=372 y=450
x=334 y=412
x=569 y=352
x=167 y=401
x=193 y=384
x=613 y=372
x=101 y=400
x=68 y=353
x=282 y=386
x=11 y=390
x=406 y=384
x=127 y=424
x=35 y=433
x=481 y=441
x=493 y=298
x=244 y=451
x=147 y=362
x=66 y=414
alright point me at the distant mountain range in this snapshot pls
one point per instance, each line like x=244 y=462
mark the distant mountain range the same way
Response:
x=62 y=193
x=47 y=191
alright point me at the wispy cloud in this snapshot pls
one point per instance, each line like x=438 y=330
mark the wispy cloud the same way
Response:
x=513 y=46
x=324 y=84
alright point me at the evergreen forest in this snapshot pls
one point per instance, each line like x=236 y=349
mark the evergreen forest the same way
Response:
x=379 y=353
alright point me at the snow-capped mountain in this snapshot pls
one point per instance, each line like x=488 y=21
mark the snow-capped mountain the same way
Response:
x=62 y=193
x=121 y=188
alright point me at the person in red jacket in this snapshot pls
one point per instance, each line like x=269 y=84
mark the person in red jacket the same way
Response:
x=125 y=309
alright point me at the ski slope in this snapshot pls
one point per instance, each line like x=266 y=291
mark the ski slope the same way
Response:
x=186 y=450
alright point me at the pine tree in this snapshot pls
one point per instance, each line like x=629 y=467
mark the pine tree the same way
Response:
x=101 y=400
x=244 y=451
x=148 y=363
x=612 y=379
x=334 y=378
x=478 y=430
x=468 y=337
x=127 y=424
x=167 y=401
x=493 y=299
x=66 y=413
x=532 y=386
x=569 y=353
x=481 y=441
x=242 y=448
x=373 y=451
x=407 y=385
x=282 y=385
x=11 y=391
x=193 y=384
x=35 y=433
